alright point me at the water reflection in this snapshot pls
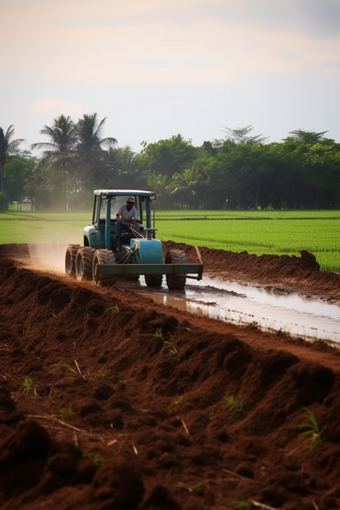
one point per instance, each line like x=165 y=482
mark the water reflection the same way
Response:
x=270 y=310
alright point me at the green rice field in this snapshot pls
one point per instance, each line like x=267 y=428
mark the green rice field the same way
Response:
x=258 y=232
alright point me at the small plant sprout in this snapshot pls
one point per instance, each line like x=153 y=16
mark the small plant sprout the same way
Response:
x=94 y=458
x=159 y=333
x=235 y=406
x=170 y=345
x=67 y=410
x=53 y=314
x=100 y=374
x=243 y=504
x=312 y=430
x=178 y=400
x=61 y=364
x=27 y=384
x=112 y=309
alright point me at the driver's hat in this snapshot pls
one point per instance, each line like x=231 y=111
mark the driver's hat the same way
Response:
x=131 y=200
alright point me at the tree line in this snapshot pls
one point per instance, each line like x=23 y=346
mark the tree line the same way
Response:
x=239 y=171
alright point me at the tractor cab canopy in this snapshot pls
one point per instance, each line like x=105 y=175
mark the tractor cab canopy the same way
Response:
x=125 y=192
x=108 y=201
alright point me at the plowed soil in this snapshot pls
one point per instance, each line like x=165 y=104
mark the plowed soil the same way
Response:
x=108 y=402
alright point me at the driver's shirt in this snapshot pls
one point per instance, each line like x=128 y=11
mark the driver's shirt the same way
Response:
x=127 y=215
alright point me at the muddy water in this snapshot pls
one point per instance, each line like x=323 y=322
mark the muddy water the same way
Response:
x=269 y=309
x=225 y=300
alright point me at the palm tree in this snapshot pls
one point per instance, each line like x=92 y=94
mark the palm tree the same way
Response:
x=7 y=147
x=61 y=147
x=188 y=186
x=242 y=135
x=90 y=144
x=307 y=137
x=122 y=166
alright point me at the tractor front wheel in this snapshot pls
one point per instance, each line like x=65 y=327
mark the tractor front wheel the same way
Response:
x=175 y=281
x=84 y=262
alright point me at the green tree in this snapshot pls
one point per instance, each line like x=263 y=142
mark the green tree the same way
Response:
x=312 y=161
x=160 y=185
x=19 y=170
x=90 y=150
x=307 y=137
x=60 y=149
x=242 y=135
x=122 y=168
x=8 y=146
x=167 y=157
x=322 y=175
x=188 y=186
x=233 y=174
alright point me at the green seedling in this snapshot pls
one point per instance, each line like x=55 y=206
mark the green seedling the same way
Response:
x=113 y=309
x=61 y=364
x=178 y=400
x=312 y=430
x=243 y=504
x=170 y=345
x=101 y=373
x=94 y=458
x=67 y=410
x=159 y=333
x=235 y=406
x=53 y=314
x=27 y=384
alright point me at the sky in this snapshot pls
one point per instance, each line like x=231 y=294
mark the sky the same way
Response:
x=158 y=68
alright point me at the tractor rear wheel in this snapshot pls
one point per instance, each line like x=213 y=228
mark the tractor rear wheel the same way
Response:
x=70 y=259
x=175 y=281
x=104 y=258
x=153 y=280
x=84 y=262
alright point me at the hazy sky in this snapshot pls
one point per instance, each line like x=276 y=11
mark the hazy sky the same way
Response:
x=156 y=68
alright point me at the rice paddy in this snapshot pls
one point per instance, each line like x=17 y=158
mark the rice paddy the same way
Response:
x=257 y=232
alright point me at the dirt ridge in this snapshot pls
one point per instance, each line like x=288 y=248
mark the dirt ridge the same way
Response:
x=110 y=403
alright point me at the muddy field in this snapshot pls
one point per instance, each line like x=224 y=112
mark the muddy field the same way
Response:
x=110 y=402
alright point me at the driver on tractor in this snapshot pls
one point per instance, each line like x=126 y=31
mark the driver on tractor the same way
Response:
x=126 y=219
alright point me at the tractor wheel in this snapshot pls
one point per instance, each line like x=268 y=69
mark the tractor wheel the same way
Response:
x=175 y=281
x=153 y=280
x=104 y=258
x=84 y=261
x=70 y=259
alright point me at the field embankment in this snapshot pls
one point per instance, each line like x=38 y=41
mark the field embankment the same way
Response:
x=107 y=402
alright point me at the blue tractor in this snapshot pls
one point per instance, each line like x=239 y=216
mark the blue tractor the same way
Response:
x=111 y=251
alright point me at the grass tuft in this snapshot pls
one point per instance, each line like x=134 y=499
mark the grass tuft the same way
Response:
x=235 y=406
x=312 y=430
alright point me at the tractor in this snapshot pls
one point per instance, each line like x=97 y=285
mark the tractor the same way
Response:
x=106 y=257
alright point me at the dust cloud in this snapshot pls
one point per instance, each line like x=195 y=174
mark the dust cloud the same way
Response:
x=48 y=253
